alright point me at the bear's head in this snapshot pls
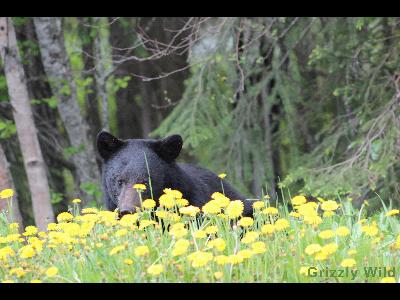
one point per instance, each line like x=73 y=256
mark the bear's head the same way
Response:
x=129 y=162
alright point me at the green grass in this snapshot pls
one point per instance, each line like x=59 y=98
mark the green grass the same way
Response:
x=81 y=248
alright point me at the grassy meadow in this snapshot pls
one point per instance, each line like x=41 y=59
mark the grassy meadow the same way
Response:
x=297 y=241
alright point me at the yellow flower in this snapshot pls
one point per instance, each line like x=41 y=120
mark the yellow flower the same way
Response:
x=312 y=249
x=281 y=224
x=149 y=203
x=245 y=253
x=235 y=259
x=328 y=214
x=27 y=251
x=139 y=187
x=312 y=219
x=52 y=271
x=351 y=252
x=258 y=247
x=17 y=271
x=234 y=209
x=116 y=249
x=162 y=214
x=64 y=217
x=268 y=229
x=6 y=193
x=167 y=200
x=178 y=230
x=270 y=211
x=218 y=244
x=211 y=229
x=200 y=234
x=326 y=234
x=90 y=210
x=182 y=202
x=299 y=200
x=329 y=205
x=294 y=214
x=174 y=193
x=258 y=204
x=13 y=226
x=329 y=249
x=222 y=175
x=30 y=230
x=321 y=256
x=128 y=261
x=370 y=230
x=246 y=222
x=218 y=275
x=250 y=237
x=121 y=232
x=180 y=247
x=200 y=258
x=342 y=231
x=146 y=223
x=76 y=201
x=35 y=281
x=129 y=220
x=392 y=212
x=211 y=207
x=142 y=250
x=155 y=270
x=348 y=263
x=388 y=280
x=220 y=199
x=189 y=210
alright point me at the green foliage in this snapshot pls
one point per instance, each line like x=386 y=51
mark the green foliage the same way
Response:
x=92 y=189
x=52 y=102
x=7 y=129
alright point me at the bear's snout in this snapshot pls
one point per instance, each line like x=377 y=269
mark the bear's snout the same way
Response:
x=128 y=201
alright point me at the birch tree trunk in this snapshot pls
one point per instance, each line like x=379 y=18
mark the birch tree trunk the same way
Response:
x=26 y=130
x=58 y=70
x=6 y=182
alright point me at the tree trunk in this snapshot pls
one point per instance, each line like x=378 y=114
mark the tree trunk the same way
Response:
x=6 y=182
x=58 y=70
x=27 y=133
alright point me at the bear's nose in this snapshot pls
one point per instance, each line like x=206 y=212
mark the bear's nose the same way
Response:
x=126 y=211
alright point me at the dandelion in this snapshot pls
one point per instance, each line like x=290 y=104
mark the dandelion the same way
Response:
x=235 y=209
x=329 y=205
x=200 y=234
x=149 y=203
x=64 y=217
x=174 y=193
x=182 y=202
x=211 y=207
x=268 y=229
x=246 y=222
x=211 y=229
x=218 y=244
x=221 y=259
x=250 y=237
x=139 y=187
x=180 y=247
x=328 y=214
x=6 y=193
x=235 y=259
x=121 y=232
x=312 y=249
x=89 y=210
x=299 y=200
x=222 y=175
x=258 y=247
x=294 y=214
x=145 y=223
x=342 y=231
x=329 y=249
x=51 y=272
x=13 y=226
x=162 y=214
x=326 y=234
x=281 y=224
x=155 y=270
x=392 y=212
x=388 y=280
x=200 y=258
x=76 y=201
x=142 y=251
x=116 y=250
x=258 y=204
x=178 y=230
x=218 y=275
x=128 y=261
x=369 y=230
x=245 y=253
x=167 y=201
x=30 y=230
x=27 y=252
x=191 y=211
x=348 y=263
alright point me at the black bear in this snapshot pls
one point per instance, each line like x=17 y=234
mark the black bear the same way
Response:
x=125 y=165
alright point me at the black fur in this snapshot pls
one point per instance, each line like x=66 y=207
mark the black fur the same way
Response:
x=125 y=164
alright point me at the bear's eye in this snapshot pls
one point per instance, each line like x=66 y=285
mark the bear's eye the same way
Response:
x=120 y=182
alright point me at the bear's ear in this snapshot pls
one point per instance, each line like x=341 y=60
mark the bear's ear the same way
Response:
x=107 y=144
x=168 y=148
